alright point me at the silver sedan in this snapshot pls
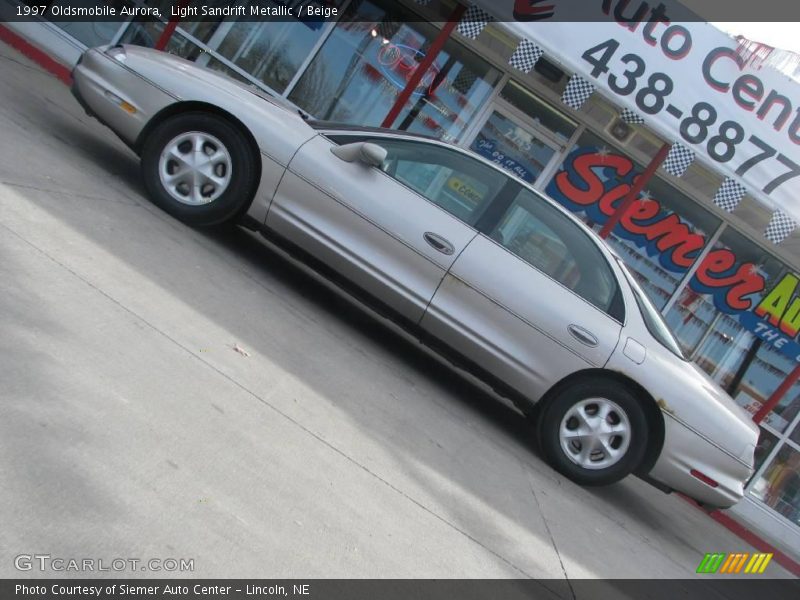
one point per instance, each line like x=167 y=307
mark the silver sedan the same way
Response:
x=493 y=276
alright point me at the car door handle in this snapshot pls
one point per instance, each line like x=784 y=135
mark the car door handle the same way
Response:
x=438 y=243
x=583 y=336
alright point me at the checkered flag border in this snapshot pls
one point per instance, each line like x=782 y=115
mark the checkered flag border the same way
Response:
x=473 y=22
x=464 y=81
x=729 y=194
x=577 y=92
x=678 y=159
x=631 y=117
x=780 y=227
x=525 y=56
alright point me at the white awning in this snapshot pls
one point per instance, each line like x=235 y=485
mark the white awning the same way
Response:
x=686 y=80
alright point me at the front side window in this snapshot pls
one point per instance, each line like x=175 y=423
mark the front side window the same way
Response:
x=552 y=243
x=459 y=184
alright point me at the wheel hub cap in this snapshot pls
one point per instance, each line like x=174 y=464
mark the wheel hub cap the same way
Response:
x=595 y=433
x=195 y=168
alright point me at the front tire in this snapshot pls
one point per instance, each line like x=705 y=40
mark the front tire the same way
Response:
x=593 y=432
x=199 y=168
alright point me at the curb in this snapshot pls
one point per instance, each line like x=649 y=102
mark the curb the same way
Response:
x=38 y=56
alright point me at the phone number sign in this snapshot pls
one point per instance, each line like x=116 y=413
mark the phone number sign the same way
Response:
x=690 y=84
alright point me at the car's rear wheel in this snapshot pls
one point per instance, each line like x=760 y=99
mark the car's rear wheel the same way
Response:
x=199 y=168
x=594 y=432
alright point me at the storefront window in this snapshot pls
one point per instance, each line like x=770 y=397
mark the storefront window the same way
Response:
x=795 y=437
x=91 y=33
x=544 y=115
x=712 y=330
x=779 y=486
x=762 y=377
x=523 y=133
x=766 y=442
x=146 y=34
x=270 y=51
x=666 y=230
x=513 y=146
x=365 y=64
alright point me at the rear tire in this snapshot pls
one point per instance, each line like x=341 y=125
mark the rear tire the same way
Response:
x=199 y=168
x=594 y=432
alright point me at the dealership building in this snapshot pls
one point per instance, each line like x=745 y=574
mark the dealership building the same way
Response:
x=675 y=141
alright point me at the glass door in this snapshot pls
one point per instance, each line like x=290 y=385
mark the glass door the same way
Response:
x=515 y=147
x=521 y=132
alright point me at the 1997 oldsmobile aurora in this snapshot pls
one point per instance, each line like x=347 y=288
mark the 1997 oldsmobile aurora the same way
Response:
x=470 y=260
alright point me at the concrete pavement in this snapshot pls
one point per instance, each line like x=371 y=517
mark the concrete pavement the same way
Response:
x=131 y=427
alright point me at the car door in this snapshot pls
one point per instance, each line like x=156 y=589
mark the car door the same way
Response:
x=393 y=231
x=532 y=300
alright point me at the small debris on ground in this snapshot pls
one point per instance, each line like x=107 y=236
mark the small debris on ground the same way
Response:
x=240 y=350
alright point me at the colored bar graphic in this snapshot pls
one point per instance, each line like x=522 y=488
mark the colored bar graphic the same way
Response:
x=723 y=563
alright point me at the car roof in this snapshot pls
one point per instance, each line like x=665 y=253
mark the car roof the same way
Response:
x=321 y=125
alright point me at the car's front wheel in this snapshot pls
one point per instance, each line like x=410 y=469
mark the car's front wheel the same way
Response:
x=199 y=168
x=594 y=432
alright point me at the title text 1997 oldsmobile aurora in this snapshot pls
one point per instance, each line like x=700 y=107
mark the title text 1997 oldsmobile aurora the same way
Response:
x=473 y=262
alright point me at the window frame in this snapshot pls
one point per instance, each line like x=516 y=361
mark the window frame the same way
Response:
x=351 y=137
x=617 y=308
x=652 y=318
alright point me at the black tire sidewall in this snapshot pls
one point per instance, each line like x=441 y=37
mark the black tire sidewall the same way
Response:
x=550 y=421
x=241 y=188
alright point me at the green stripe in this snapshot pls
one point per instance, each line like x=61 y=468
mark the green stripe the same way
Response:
x=711 y=563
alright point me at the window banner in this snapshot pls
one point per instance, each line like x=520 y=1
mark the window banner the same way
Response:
x=594 y=181
x=685 y=78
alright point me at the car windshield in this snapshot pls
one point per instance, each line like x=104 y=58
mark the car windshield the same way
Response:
x=653 y=320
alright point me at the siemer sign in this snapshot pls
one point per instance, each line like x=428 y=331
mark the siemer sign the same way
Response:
x=687 y=80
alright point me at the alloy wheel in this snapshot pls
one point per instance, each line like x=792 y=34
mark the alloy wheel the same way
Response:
x=195 y=168
x=595 y=433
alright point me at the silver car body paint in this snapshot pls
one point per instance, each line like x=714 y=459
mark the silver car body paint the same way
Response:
x=515 y=322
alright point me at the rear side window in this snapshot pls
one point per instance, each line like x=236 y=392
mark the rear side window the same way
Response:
x=652 y=318
x=459 y=184
x=549 y=241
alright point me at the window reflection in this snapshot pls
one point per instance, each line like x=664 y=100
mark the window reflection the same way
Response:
x=779 y=486
x=766 y=442
x=270 y=51
x=749 y=369
x=649 y=258
x=365 y=64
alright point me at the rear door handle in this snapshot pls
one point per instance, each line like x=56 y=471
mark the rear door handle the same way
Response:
x=582 y=335
x=438 y=243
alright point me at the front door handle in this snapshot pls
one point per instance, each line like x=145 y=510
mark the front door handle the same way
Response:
x=582 y=335
x=438 y=243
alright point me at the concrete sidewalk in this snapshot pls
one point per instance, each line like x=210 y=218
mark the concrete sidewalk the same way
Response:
x=131 y=427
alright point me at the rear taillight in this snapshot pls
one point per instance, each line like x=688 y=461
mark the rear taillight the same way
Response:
x=704 y=478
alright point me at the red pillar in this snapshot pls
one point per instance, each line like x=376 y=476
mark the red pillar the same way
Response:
x=637 y=188
x=776 y=396
x=166 y=35
x=422 y=67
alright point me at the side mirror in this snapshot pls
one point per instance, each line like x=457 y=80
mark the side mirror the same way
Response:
x=365 y=152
